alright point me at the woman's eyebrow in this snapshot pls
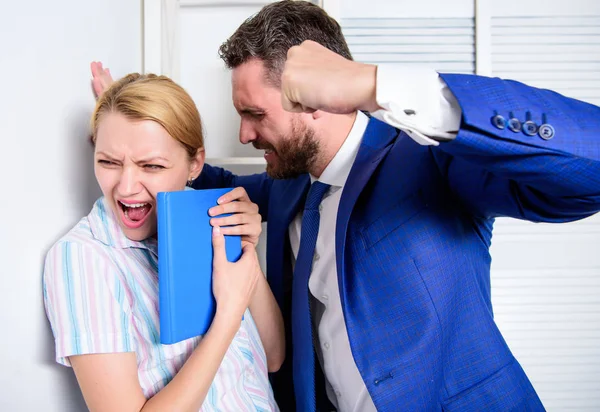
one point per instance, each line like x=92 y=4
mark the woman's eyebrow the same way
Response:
x=151 y=158
x=106 y=155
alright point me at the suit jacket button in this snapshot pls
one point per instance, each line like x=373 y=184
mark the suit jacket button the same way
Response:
x=499 y=121
x=514 y=124
x=546 y=131
x=530 y=128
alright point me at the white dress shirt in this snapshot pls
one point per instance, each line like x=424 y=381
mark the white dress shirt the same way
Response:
x=419 y=103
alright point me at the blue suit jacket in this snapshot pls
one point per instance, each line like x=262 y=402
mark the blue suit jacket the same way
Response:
x=412 y=243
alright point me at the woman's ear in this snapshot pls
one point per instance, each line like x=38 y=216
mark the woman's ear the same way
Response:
x=197 y=163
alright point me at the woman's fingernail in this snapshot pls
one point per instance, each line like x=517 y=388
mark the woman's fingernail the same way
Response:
x=216 y=230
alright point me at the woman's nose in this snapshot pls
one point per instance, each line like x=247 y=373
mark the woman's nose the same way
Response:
x=129 y=183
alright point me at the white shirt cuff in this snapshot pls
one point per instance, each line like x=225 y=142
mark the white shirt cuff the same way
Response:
x=418 y=102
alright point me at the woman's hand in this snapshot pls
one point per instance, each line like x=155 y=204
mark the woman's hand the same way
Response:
x=245 y=220
x=234 y=283
x=101 y=78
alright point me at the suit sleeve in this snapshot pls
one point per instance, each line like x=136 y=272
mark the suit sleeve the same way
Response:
x=551 y=175
x=258 y=186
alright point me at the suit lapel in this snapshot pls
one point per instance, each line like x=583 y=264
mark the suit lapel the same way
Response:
x=289 y=202
x=376 y=143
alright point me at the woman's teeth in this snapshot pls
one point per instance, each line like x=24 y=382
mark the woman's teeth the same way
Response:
x=134 y=205
x=135 y=211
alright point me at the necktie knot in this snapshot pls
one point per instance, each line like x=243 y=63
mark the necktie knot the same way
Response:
x=315 y=195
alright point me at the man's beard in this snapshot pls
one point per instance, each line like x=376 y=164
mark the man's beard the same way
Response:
x=296 y=153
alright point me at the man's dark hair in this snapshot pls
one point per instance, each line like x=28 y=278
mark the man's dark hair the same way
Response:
x=269 y=34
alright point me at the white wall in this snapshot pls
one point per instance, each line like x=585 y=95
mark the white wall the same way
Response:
x=46 y=171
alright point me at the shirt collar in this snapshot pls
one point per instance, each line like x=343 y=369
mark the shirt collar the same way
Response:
x=337 y=171
x=105 y=228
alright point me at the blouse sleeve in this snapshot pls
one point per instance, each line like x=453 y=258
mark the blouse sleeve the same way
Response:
x=88 y=306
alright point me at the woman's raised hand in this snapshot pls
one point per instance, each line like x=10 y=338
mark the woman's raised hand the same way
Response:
x=101 y=78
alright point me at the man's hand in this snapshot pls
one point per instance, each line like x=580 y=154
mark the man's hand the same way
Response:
x=101 y=78
x=315 y=78
x=245 y=219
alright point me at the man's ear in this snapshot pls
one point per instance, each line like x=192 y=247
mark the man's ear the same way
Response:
x=197 y=163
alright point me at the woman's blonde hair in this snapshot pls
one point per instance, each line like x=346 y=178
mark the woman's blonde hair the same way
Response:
x=157 y=98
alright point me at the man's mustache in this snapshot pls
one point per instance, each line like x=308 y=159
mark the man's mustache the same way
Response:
x=262 y=145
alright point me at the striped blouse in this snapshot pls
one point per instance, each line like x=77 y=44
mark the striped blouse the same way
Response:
x=101 y=296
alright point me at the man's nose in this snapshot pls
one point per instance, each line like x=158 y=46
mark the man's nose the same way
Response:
x=247 y=132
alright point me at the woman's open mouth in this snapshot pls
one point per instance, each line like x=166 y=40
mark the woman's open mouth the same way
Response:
x=134 y=215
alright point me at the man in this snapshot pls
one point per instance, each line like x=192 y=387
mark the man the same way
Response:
x=388 y=274
x=399 y=289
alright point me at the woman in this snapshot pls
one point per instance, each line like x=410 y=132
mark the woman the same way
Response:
x=100 y=279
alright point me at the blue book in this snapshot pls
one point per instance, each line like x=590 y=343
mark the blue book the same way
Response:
x=185 y=256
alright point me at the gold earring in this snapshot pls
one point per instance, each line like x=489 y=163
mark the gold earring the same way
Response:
x=190 y=181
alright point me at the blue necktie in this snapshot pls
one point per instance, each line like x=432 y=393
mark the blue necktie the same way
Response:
x=302 y=335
